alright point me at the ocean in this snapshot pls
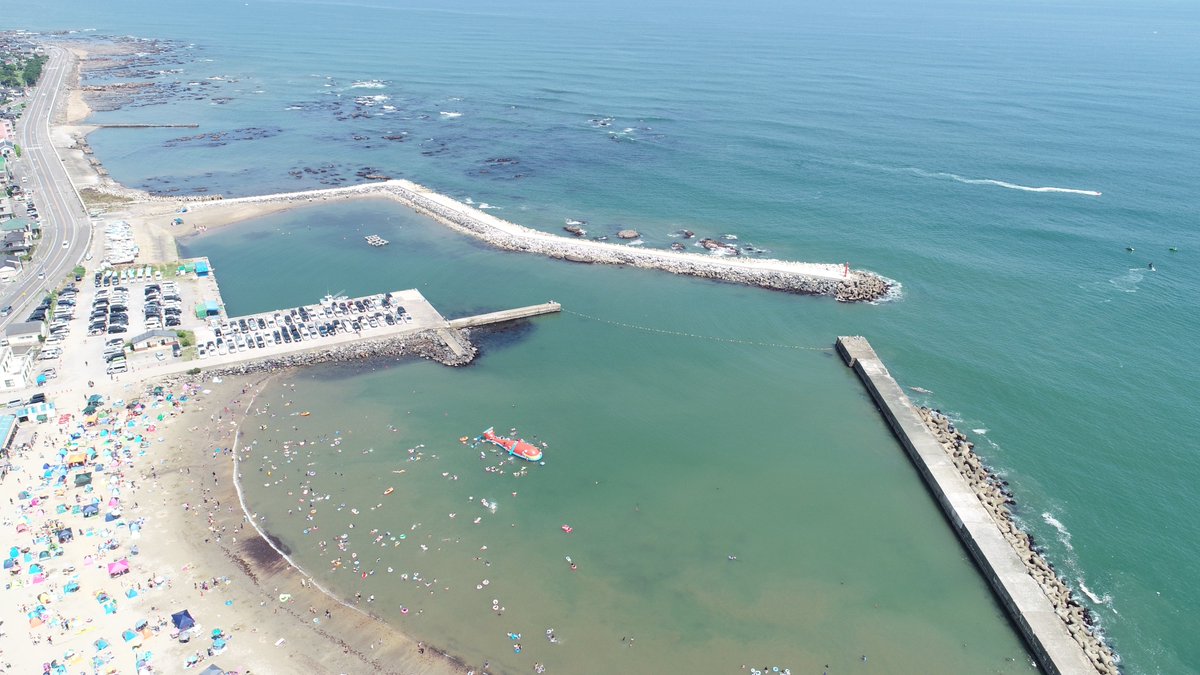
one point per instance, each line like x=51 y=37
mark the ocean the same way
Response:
x=997 y=160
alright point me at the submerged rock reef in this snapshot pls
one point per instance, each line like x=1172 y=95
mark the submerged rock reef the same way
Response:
x=993 y=492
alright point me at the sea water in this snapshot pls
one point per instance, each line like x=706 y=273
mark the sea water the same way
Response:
x=914 y=139
x=730 y=501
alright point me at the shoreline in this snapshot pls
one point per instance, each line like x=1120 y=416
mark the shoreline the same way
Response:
x=498 y=233
x=165 y=486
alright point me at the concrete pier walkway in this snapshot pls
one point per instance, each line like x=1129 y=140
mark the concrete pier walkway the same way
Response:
x=1028 y=606
x=506 y=315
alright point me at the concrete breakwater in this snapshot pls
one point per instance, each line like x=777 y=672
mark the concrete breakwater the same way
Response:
x=1050 y=619
x=426 y=344
x=995 y=496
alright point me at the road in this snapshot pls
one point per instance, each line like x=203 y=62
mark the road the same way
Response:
x=64 y=218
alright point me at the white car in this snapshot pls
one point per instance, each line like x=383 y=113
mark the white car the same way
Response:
x=66 y=243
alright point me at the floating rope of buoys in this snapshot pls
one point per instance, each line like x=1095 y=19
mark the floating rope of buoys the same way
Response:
x=663 y=331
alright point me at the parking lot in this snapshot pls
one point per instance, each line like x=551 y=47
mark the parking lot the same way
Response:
x=285 y=329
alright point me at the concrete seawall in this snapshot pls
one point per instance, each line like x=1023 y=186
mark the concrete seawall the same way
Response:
x=1031 y=610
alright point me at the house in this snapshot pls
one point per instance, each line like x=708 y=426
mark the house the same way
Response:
x=25 y=333
x=9 y=268
x=7 y=142
x=155 y=338
x=6 y=209
x=14 y=243
x=16 y=366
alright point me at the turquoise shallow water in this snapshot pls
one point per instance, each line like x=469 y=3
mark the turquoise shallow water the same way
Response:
x=667 y=454
x=857 y=133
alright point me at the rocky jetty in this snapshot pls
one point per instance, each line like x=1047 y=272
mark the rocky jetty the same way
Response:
x=853 y=286
x=837 y=281
x=993 y=492
x=628 y=234
x=425 y=344
x=576 y=230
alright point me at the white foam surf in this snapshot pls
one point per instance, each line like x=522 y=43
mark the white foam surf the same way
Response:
x=451 y=114
x=368 y=84
x=1064 y=537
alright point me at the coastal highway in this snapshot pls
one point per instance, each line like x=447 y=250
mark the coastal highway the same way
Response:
x=64 y=218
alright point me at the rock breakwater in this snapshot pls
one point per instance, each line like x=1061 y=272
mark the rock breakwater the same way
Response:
x=802 y=278
x=424 y=344
x=837 y=281
x=993 y=492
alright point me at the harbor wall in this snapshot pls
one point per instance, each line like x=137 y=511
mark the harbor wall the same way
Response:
x=1044 y=626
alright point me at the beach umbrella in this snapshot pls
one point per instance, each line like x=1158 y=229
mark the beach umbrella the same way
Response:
x=183 y=620
x=118 y=568
x=131 y=593
x=101 y=644
x=9 y=563
x=14 y=552
x=71 y=587
x=128 y=635
x=35 y=569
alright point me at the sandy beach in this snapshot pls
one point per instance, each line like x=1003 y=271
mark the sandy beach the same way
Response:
x=162 y=475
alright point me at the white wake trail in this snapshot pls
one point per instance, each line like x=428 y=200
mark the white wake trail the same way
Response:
x=1004 y=184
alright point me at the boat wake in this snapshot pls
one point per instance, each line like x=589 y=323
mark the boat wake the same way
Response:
x=1000 y=183
x=945 y=175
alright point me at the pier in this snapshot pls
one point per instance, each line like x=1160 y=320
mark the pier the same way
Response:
x=418 y=330
x=505 y=315
x=1030 y=609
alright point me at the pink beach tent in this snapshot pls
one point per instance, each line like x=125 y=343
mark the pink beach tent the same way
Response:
x=118 y=568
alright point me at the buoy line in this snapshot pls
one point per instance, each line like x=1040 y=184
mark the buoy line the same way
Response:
x=663 y=331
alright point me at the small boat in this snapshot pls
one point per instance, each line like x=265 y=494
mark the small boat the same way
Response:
x=305 y=413
x=515 y=446
x=389 y=491
x=568 y=529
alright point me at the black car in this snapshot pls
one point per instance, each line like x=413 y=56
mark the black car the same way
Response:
x=275 y=336
x=113 y=330
x=37 y=398
x=262 y=324
x=172 y=321
x=287 y=337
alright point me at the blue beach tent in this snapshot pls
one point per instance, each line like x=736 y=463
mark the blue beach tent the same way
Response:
x=183 y=620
